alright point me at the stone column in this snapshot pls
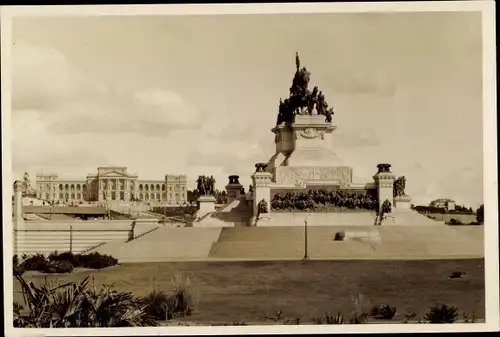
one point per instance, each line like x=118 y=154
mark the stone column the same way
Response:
x=233 y=189
x=384 y=180
x=261 y=187
x=18 y=212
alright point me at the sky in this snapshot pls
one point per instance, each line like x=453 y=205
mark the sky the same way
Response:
x=199 y=94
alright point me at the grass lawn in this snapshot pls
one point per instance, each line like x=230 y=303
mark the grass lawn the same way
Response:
x=231 y=292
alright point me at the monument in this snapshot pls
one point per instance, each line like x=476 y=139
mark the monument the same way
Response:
x=304 y=159
x=206 y=200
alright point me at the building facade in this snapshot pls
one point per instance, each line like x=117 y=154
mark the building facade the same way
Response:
x=110 y=184
x=447 y=204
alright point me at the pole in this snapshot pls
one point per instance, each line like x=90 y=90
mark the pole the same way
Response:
x=164 y=216
x=71 y=239
x=306 y=257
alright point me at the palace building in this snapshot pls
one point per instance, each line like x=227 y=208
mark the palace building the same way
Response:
x=112 y=183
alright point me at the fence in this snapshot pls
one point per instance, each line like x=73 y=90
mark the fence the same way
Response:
x=42 y=237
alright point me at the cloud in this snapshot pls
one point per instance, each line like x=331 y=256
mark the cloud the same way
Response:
x=71 y=103
x=365 y=82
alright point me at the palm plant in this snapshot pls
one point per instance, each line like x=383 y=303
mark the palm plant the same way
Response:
x=80 y=305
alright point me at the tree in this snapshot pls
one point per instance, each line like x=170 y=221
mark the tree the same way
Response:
x=192 y=196
x=480 y=214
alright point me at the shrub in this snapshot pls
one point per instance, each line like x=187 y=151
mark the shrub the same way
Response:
x=180 y=302
x=58 y=267
x=35 y=262
x=96 y=260
x=387 y=311
x=375 y=310
x=337 y=319
x=155 y=305
x=480 y=214
x=18 y=268
x=74 y=259
x=454 y=221
x=441 y=314
x=339 y=236
x=409 y=316
x=306 y=201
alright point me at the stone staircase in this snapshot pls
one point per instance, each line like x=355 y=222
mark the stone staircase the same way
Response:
x=234 y=214
x=164 y=245
x=410 y=217
x=391 y=242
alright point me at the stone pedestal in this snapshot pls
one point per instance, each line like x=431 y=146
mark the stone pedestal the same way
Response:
x=206 y=205
x=384 y=181
x=303 y=154
x=306 y=142
x=234 y=188
x=261 y=189
x=402 y=202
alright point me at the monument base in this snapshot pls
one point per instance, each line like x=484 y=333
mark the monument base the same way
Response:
x=402 y=202
x=206 y=205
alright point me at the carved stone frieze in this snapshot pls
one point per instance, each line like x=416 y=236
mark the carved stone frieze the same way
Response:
x=310 y=133
x=299 y=176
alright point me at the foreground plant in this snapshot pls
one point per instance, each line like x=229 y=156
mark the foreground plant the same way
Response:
x=442 y=314
x=178 y=302
x=79 y=305
x=328 y=319
x=359 y=315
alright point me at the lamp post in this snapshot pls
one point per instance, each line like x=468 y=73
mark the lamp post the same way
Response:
x=164 y=216
x=305 y=258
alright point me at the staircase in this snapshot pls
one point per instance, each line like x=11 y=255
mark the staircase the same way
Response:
x=361 y=242
x=234 y=214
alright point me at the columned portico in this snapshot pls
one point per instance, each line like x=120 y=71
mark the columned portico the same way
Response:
x=114 y=183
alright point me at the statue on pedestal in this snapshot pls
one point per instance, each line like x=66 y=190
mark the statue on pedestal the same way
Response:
x=399 y=186
x=262 y=207
x=205 y=185
x=301 y=100
x=386 y=207
x=312 y=101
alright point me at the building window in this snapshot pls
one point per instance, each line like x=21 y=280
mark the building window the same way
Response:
x=61 y=196
x=72 y=195
x=163 y=187
x=157 y=196
x=78 y=196
x=60 y=187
